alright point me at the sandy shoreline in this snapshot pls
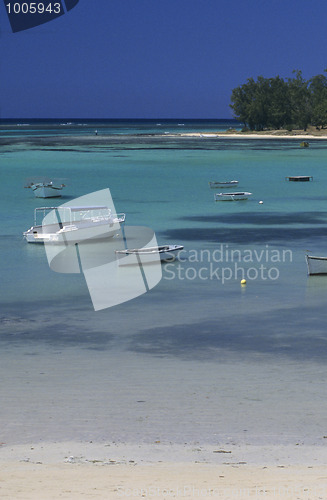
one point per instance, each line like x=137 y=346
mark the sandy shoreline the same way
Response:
x=162 y=481
x=241 y=135
x=70 y=430
x=100 y=140
x=73 y=470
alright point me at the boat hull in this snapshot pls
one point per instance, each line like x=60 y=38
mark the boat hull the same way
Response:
x=299 y=178
x=316 y=265
x=232 y=196
x=47 y=192
x=46 y=189
x=43 y=187
x=76 y=224
x=229 y=184
x=148 y=254
x=72 y=233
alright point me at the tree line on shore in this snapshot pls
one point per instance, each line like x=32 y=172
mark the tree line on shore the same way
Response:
x=275 y=103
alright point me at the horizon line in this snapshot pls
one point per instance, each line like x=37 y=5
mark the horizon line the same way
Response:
x=108 y=118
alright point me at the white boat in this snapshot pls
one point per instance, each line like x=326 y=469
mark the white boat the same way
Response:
x=165 y=252
x=232 y=196
x=45 y=188
x=73 y=224
x=316 y=265
x=226 y=184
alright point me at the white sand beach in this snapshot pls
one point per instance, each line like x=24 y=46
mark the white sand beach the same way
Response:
x=74 y=470
x=164 y=481
x=106 y=432
x=256 y=135
x=75 y=477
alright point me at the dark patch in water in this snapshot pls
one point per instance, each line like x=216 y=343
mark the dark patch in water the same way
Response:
x=29 y=328
x=244 y=236
x=296 y=333
x=70 y=150
x=153 y=141
x=264 y=218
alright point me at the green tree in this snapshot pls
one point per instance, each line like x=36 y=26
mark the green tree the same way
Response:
x=259 y=107
x=239 y=104
x=242 y=97
x=250 y=103
x=318 y=92
x=279 y=107
x=300 y=101
x=276 y=103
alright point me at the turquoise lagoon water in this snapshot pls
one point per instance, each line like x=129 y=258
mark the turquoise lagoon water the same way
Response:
x=161 y=181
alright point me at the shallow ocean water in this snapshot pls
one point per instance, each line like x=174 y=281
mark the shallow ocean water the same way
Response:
x=191 y=319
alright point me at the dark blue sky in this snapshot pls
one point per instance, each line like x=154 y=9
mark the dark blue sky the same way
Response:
x=154 y=58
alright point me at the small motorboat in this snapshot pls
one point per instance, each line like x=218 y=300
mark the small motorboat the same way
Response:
x=165 y=252
x=316 y=265
x=299 y=178
x=65 y=224
x=45 y=188
x=224 y=184
x=232 y=196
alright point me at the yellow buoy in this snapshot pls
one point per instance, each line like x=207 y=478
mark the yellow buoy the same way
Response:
x=243 y=282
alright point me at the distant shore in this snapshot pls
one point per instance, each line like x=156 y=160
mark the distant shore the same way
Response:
x=252 y=136
x=65 y=140
x=310 y=133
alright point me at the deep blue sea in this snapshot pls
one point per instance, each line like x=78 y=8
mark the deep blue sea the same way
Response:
x=199 y=312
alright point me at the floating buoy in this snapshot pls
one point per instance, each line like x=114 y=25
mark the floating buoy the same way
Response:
x=243 y=282
x=260 y=202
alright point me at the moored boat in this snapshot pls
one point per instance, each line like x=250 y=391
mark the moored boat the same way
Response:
x=232 y=196
x=224 y=184
x=164 y=252
x=316 y=265
x=73 y=224
x=45 y=188
x=299 y=178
